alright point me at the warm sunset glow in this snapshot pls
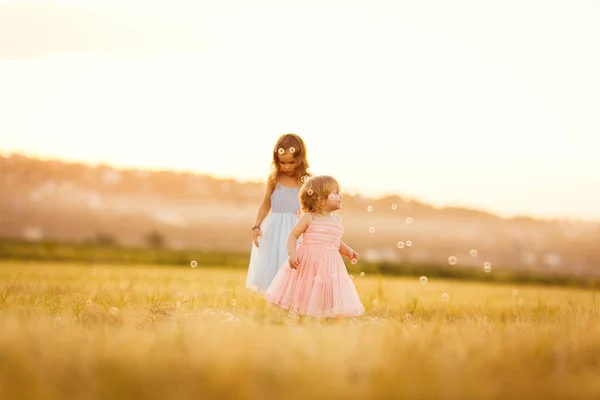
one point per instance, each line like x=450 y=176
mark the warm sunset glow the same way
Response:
x=471 y=104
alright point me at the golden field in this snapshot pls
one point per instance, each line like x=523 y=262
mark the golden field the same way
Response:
x=76 y=331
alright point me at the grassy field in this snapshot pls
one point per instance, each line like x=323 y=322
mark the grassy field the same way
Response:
x=82 y=331
x=99 y=253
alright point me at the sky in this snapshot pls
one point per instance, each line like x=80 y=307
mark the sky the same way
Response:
x=489 y=105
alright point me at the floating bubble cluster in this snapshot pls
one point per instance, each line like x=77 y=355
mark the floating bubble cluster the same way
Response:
x=487 y=267
x=452 y=260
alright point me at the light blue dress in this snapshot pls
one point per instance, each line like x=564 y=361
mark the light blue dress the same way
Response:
x=271 y=254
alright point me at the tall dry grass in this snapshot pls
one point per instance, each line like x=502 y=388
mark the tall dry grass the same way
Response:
x=85 y=332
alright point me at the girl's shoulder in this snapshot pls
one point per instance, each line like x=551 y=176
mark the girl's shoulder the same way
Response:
x=271 y=185
x=274 y=181
x=307 y=217
x=305 y=220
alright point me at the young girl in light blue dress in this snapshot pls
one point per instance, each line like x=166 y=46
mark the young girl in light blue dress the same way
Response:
x=278 y=212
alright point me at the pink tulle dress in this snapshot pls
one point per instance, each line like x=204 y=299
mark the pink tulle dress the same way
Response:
x=320 y=287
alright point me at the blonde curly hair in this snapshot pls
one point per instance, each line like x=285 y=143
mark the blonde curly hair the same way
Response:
x=315 y=192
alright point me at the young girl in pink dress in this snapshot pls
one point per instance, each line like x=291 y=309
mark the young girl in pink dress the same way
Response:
x=314 y=280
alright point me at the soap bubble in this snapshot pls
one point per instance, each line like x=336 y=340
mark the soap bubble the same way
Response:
x=452 y=260
x=194 y=264
x=487 y=267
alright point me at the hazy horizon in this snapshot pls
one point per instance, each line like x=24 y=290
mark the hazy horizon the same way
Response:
x=467 y=104
x=374 y=197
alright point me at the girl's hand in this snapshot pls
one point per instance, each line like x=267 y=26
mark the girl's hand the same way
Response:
x=255 y=234
x=354 y=255
x=293 y=261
